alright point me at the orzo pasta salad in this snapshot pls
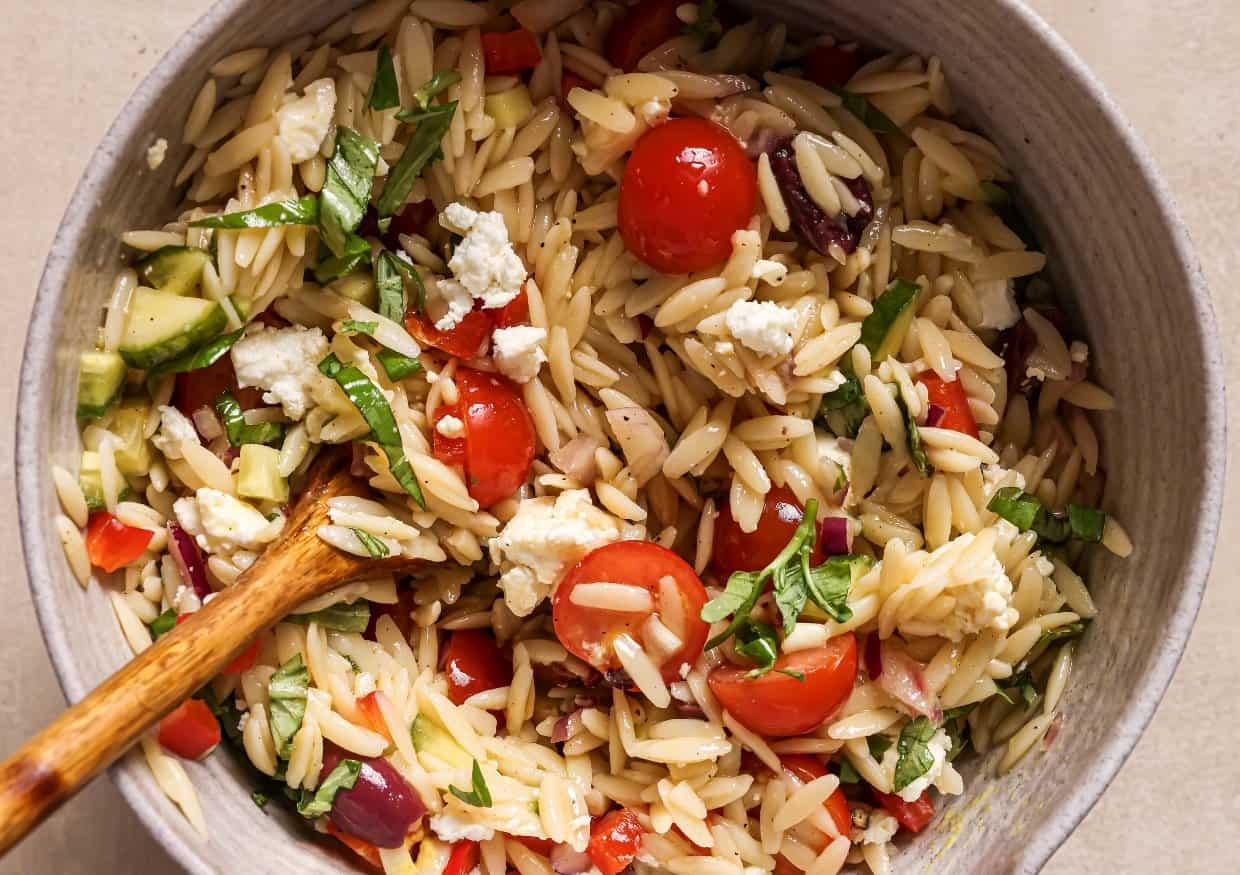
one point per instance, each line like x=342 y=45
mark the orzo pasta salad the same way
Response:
x=707 y=368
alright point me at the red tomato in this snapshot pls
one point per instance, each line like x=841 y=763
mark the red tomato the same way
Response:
x=510 y=52
x=805 y=769
x=515 y=312
x=191 y=731
x=463 y=859
x=449 y=450
x=639 y=563
x=735 y=550
x=499 y=436
x=368 y=705
x=111 y=544
x=569 y=82
x=912 y=816
x=952 y=398
x=473 y=663
x=831 y=66
x=615 y=839
x=778 y=705
x=643 y=29
x=197 y=389
x=361 y=847
x=464 y=341
x=687 y=187
x=537 y=845
x=399 y=613
x=244 y=660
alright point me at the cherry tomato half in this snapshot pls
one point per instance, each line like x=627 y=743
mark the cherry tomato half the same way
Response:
x=912 y=816
x=191 y=731
x=464 y=340
x=778 y=705
x=615 y=839
x=735 y=550
x=588 y=631
x=643 y=29
x=957 y=414
x=499 y=436
x=194 y=390
x=687 y=187
x=806 y=768
x=473 y=663
x=510 y=52
x=110 y=544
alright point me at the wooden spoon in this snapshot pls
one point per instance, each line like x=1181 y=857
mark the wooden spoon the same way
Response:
x=89 y=736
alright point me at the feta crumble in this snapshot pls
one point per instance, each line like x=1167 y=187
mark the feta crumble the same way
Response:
x=222 y=524
x=303 y=124
x=450 y=427
x=284 y=363
x=545 y=537
x=982 y=592
x=174 y=427
x=451 y=828
x=997 y=301
x=156 y=153
x=763 y=326
x=484 y=265
x=518 y=351
x=880 y=829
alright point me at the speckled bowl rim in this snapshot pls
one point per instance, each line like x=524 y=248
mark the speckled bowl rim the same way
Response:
x=39 y=359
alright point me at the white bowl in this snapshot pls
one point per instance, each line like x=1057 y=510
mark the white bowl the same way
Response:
x=1118 y=252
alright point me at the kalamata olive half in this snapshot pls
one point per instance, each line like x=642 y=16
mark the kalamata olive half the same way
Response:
x=381 y=807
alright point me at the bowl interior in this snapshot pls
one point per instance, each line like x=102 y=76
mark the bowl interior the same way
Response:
x=1124 y=270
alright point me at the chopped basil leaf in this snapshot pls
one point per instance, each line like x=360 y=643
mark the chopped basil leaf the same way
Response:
x=397 y=366
x=294 y=211
x=162 y=624
x=374 y=546
x=868 y=113
x=844 y=408
x=996 y=195
x=196 y=359
x=260 y=798
x=480 y=796
x=791 y=591
x=330 y=267
x=915 y=758
x=795 y=675
x=351 y=326
x=287 y=692
x=238 y=431
x=848 y=774
x=318 y=803
x=423 y=147
x=390 y=286
x=226 y=714
x=1027 y=513
x=1022 y=683
x=756 y=641
x=915 y=450
x=431 y=89
x=1063 y=633
x=346 y=191
x=351 y=617
x=957 y=729
x=830 y=582
x=890 y=307
x=1086 y=523
x=1016 y=506
x=384 y=90
x=369 y=401
x=957 y=713
x=878 y=745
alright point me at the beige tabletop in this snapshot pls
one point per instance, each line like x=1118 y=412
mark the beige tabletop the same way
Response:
x=67 y=65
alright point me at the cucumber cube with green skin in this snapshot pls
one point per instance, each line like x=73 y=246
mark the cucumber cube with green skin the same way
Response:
x=101 y=380
x=175 y=270
x=432 y=738
x=259 y=474
x=358 y=286
x=883 y=330
x=160 y=327
x=133 y=453
x=91 y=482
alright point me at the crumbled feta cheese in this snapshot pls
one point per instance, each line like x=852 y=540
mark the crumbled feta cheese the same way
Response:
x=982 y=593
x=768 y=271
x=485 y=266
x=453 y=299
x=938 y=746
x=284 y=363
x=763 y=326
x=545 y=537
x=881 y=829
x=829 y=447
x=174 y=427
x=450 y=427
x=997 y=301
x=304 y=123
x=156 y=153
x=451 y=828
x=1078 y=352
x=222 y=524
x=518 y=351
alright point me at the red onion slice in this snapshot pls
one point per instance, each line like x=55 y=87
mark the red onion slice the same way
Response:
x=576 y=458
x=189 y=560
x=903 y=678
x=207 y=423
x=836 y=536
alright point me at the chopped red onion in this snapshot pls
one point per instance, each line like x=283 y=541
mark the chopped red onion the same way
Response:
x=565 y=727
x=1052 y=731
x=566 y=861
x=576 y=458
x=189 y=560
x=207 y=423
x=934 y=415
x=873 y=657
x=836 y=536
x=903 y=678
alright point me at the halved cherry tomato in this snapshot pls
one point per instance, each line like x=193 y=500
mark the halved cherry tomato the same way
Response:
x=361 y=847
x=368 y=706
x=510 y=52
x=831 y=66
x=588 y=632
x=569 y=82
x=912 y=816
x=499 y=436
x=687 y=187
x=778 y=705
x=735 y=550
x=465 y=340
x=194 y=390
x=473 y=663
x=244 y=660
x=805 y=769
x=952 y=398
x=449 y=450
x=463 y=859
x=643 y=29
x=515 y=312
x=191 y=731
x=110 y=544
x=615 y=839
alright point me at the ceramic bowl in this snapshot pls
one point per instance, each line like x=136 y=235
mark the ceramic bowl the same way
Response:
x=1127 y=276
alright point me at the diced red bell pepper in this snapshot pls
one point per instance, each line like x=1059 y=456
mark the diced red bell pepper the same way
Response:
x=191 y=731
x=368 y=705
x=644 y=28
x=362 y=848
x=912 y=816
x=510 y=52
x=110 y=544
x=463 y=859
x=830 y=66
x=615 y=839
x=952 y=398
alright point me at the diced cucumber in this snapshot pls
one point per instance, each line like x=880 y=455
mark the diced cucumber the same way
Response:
x=883 y=330
x=160 y=327
x=432 y=738
x=242 y=306
x=101 y=379
x=358 y=286
x=509 y=108
x=91 y=481
x=133 y=453
x=259 y=475
x=176 y=270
